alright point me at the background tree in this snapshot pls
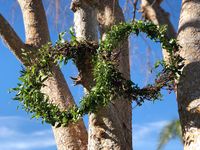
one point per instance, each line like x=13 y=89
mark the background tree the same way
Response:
x=169 y=132
x=187 y=94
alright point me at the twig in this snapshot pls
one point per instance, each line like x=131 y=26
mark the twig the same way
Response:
x=134 y=8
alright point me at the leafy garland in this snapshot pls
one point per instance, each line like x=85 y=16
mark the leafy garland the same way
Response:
x=110 y=83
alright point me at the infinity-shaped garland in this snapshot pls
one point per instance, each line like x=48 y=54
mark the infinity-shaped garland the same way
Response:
x=110 y=83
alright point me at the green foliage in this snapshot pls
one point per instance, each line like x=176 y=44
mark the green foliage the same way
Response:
x=170 y=131
x=110 y=83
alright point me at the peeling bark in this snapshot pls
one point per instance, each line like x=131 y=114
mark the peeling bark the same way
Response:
x=188 y=90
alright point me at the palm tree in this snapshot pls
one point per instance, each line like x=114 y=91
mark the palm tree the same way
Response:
x=169 y=132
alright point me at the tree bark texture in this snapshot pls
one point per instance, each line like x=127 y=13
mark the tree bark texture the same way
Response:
x=111 y=127
x=37 y=34
x=85 y=24
x=188 y=90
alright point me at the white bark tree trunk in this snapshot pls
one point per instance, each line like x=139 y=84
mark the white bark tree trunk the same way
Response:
x=188 y=90
x=85 y=24
x=111 y=127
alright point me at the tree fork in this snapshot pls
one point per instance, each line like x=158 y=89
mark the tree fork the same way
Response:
x=37 y=34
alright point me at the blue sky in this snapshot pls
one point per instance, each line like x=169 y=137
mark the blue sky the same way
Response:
x=19 y=132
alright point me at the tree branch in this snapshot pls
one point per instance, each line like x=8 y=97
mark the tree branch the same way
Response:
x=35 y=22
x=152 y=11
x=37 y=34
x=12 y=40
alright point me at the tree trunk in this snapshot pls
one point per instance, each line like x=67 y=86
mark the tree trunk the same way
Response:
x=111 y=127
x=188 y=90
x=85 y=24
x=37 y=34
x=188 y=87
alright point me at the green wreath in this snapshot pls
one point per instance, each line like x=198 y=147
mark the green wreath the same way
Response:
x=110 y=83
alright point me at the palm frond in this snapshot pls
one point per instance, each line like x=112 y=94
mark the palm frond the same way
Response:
x=169 y=132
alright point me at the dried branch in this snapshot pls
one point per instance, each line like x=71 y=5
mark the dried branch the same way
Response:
x=134 y=8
